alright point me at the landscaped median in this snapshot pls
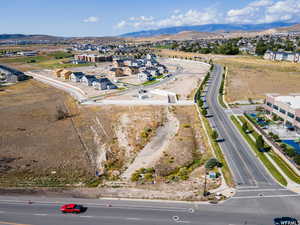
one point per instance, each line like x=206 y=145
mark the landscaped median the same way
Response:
x=215 y=145
x=222 y=91
x=264 y=156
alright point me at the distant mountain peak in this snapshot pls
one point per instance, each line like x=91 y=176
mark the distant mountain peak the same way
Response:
x=207 y=28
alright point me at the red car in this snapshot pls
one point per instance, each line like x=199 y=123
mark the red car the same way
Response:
x=71 y=208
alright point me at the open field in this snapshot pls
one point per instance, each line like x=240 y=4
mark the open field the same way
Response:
x=252 y=77
x=45 y=60
x=36 y=148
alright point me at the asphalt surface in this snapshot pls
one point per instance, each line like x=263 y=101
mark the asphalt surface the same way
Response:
x=247 y=170
x=45 y=211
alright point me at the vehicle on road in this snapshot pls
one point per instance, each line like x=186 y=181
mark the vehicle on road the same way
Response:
x=285 y=221
x=72 y=208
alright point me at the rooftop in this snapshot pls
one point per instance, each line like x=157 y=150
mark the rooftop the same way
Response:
x=292 y=100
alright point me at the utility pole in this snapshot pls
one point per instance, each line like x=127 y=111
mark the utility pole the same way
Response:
x=204 y=190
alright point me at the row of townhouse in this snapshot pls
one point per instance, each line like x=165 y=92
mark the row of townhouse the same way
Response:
x=145 y=69
x=9 y=75
x=92 y=58
x=282 y=56
x=102 y=83
x=286 y=107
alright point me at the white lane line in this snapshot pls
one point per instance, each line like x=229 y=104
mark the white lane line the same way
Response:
x=132 y=218
x=266 y=196
x=40 y=214
x=86 y=216
x=260 y=190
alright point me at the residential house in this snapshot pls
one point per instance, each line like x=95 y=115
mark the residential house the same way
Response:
x=153 y=71
x=118 y=63
x=65 y=74
x=76 y=76
x=103 y=84
x=10 y=75
x=57 y=72
x=88 y=80
x=145 y=76
x=151 y=56
x=117 y=72
x=130 y=70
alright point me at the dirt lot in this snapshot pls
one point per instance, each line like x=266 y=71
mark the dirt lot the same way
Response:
x=39 y=150
x=36 y=148
x=187 y=80
x=251 y=77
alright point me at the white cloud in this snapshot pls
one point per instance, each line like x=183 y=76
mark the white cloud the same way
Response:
x=266 y=11
x=257 y=11
x=191 y=17
x=91 y=19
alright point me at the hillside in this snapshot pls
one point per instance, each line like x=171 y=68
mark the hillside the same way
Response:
x=208 y=28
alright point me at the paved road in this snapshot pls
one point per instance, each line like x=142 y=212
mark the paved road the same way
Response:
x=247 y=169
x=44 y=211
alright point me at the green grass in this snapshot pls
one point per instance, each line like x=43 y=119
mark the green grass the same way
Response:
x=272 y=169
x=285 y=168
x=219 y=154
x=149 y=82
x=221 y=101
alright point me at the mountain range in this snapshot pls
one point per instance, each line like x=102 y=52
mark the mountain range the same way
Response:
x=207 y=28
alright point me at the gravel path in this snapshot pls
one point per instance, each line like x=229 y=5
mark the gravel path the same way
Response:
x=154 y=149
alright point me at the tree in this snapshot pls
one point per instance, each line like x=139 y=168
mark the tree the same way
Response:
x=260 y=144
x=204 y=112
x=261 y=48
x=245 y=127
x=297 y=160
x=214 y=135
x=212 y=163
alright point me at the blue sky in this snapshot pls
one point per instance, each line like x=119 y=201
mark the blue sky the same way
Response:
x=112 y=17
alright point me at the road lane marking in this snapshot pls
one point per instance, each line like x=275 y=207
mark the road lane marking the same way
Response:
x=132 y=218
x=260 y=190
x=86 y=216
x=266 y=196
x=40 y=214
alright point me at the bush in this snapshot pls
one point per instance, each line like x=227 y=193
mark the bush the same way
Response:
x=212 y=163
x=61 y=113
x=135 y=176
x=297 y=159
x=290 y=152
x=260 y=143
x=214 y=135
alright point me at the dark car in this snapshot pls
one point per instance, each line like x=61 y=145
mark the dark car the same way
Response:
x=72 y=208
x=285 y=221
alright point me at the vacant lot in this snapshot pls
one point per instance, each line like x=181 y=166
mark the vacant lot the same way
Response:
x=36 y=148
x=251 y=77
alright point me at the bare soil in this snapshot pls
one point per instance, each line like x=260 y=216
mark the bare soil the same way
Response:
x=252 y=77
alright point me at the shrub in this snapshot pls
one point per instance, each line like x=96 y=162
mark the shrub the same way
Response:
x=297 y=159
x=214 y=135
x=212 y=163
x=135 y=176
x=61 y=113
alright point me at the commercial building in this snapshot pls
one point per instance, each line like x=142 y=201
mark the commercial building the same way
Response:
x=286 y=107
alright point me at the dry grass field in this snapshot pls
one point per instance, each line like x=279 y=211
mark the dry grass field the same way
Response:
x=36 y=149
x=252 y=77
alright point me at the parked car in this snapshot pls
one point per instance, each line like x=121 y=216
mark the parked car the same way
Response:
x=72 y=208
